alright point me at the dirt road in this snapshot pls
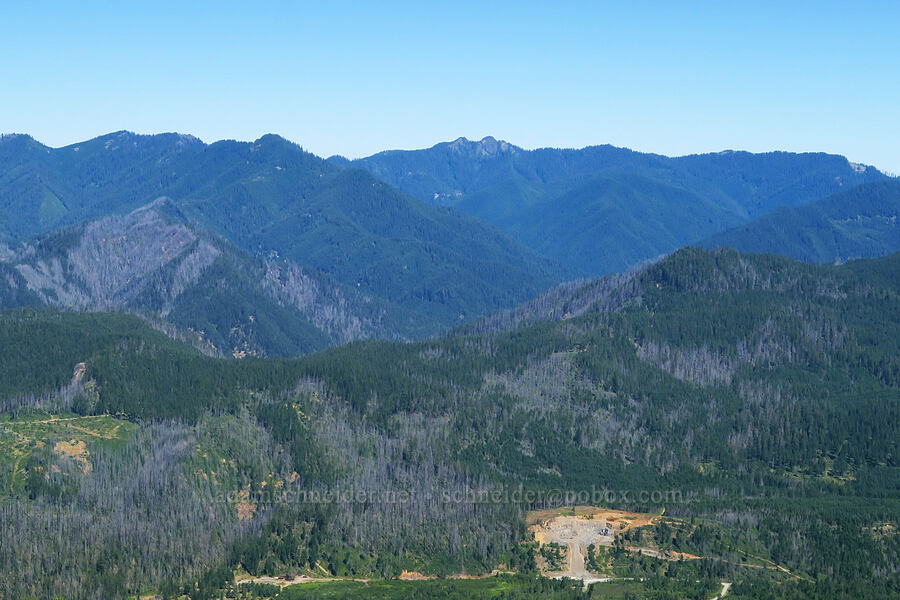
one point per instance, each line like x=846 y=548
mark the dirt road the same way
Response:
x=664 y=555
x=576 y=561
x=300 y=579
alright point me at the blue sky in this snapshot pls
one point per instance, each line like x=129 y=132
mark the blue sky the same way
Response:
x=355 y=78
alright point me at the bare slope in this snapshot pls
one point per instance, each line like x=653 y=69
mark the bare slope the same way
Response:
x=152 y=262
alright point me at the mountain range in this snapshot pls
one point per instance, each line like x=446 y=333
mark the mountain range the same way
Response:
x=263 y=249
x=602 y=209
x=383 y=374
x=273 y=200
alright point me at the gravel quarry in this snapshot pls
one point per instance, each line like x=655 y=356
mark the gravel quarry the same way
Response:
x=578 y=528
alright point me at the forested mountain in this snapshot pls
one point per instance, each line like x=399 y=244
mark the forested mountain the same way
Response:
x=857 y=223
x=603 y=209
x=197 y=287
x=270 y=197
x=610 y=224
x=757 y=396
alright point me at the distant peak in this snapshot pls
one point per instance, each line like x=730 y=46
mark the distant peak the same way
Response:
x=20 y=140
x=22 y=144
x=121 y=140
x=488 y=146
x=9 y=137
x=186 y=138
x=117 y=135
x=273 y=140
x=270 y=137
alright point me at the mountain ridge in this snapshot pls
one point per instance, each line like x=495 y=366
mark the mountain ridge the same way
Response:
x=857 y=223
x=271 y=196
x=518 y=192
x=154 y=263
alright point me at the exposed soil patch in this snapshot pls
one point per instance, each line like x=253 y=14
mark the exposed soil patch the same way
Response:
x=412 y=576
x=75 y=450
x=245 y=510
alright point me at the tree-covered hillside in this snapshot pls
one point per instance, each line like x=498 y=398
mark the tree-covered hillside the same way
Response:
x=270 y=197
x=857 y=223
x=611 y=223
x=602 y=208
x=753 y=398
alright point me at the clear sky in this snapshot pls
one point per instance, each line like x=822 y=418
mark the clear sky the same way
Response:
x=354 y=78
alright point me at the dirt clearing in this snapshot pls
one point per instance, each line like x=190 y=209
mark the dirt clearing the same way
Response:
x=76 y=450
x=580 y=526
